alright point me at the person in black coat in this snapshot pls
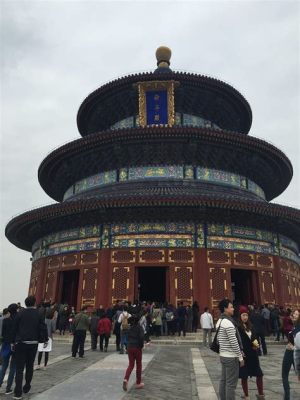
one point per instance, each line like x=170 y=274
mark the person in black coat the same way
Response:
x=250 y=348
x=258 y=322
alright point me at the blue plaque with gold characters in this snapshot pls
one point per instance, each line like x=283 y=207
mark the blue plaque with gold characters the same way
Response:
x=156 y=103
x=157 y=107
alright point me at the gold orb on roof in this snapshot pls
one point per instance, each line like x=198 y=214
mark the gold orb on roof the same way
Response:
x=163 y=55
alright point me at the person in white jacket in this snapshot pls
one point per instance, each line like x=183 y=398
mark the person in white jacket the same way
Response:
x=231 y=355
x=207 y=325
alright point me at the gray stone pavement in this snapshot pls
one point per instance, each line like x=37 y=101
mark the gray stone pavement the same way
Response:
x=180 y=372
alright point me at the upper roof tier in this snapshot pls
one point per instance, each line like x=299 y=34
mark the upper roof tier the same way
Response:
x=202 y=96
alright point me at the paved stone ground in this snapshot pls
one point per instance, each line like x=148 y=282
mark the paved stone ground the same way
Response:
x=271 y=367
x=170 y=372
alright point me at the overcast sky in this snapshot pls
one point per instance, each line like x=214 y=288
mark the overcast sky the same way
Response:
x=54 y=53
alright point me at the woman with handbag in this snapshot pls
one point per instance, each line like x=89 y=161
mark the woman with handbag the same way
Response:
x=46 y=348
x=250 y=350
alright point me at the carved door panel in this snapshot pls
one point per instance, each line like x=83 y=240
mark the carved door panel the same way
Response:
x=120 y=283
x=267 y=287
x=89 y=287
x=184 y=284
x=51 y=285
x=218 y=287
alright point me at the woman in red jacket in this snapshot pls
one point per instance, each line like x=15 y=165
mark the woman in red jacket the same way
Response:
x=104 y=330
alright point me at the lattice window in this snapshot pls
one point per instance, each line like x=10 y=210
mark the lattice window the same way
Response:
x=123 y=256
x=120 y=283
x=285 y=283
x=70 y=259
x=151 y=255
x=244 y=258
x=218 y=283
x=89 y=284
x=50 y=285
x=267 y=286
x=33 y=286
x=89 y=258
x=181 y=256
x=283 y=264
x=264 y=261
x=221 y=257
x=184 y=283
x=53 y=262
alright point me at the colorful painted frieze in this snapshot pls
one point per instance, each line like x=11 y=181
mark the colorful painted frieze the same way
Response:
x=169 y=171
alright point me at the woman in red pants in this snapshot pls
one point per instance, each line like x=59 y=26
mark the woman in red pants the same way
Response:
x=134 y=350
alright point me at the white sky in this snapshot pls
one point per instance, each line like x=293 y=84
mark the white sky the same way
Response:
x=54 y=53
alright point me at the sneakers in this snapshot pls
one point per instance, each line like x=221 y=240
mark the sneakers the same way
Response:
x=38 y=367
x=125 y=385
x=105 y=349
x=139 y=385
x=17 y=397
x=26 y=388
x=8 y=391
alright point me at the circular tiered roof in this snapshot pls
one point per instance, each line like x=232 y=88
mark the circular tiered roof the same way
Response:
x=230 y=151
x=198 y=95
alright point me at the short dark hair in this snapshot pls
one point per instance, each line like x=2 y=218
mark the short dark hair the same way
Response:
x=83 y=308
x=13 y=308
x=205 y=309
x=30 y=301
x=224 y=304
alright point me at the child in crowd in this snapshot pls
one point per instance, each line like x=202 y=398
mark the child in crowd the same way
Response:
x=134 y=349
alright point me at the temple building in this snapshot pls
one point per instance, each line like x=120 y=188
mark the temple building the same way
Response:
x=164 y=197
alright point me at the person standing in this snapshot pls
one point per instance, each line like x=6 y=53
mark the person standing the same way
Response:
x=258 y=323
x=196 y=309
x=297 y=354
x=94 y=330
x=250 y=347
x=265 y=312
x=182 y=316
x=117 y=327
x=157 y=319
x=104 y=330
x=124 y=326
x=81 y=325
x=135 y=346
x=207 y=325
x=231 y=356
x=8 y=356
x=46 y=348
x=287 y=361
x=29 y=330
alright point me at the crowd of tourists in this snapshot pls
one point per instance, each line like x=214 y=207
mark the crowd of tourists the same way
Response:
x=239 y=339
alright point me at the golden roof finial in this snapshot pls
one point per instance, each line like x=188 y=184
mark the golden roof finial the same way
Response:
x=163 y=55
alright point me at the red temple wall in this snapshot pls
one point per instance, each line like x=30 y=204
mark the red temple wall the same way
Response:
x=204 y=275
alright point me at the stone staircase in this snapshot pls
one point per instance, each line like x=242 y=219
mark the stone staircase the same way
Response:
x=191 y=339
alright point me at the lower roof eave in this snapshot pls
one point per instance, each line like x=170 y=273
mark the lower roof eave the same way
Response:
x=28 y=227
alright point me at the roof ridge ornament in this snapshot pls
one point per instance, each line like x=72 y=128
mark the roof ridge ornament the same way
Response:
x=163 y=56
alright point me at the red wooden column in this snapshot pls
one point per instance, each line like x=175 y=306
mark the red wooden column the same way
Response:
x=42 y=267
x=201 y=278
x=105 y=279
x=277 y=279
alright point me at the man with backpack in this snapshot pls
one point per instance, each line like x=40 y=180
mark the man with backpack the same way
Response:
x=124 y=326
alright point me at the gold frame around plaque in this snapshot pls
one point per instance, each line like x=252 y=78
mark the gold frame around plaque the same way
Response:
x=144 y=87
